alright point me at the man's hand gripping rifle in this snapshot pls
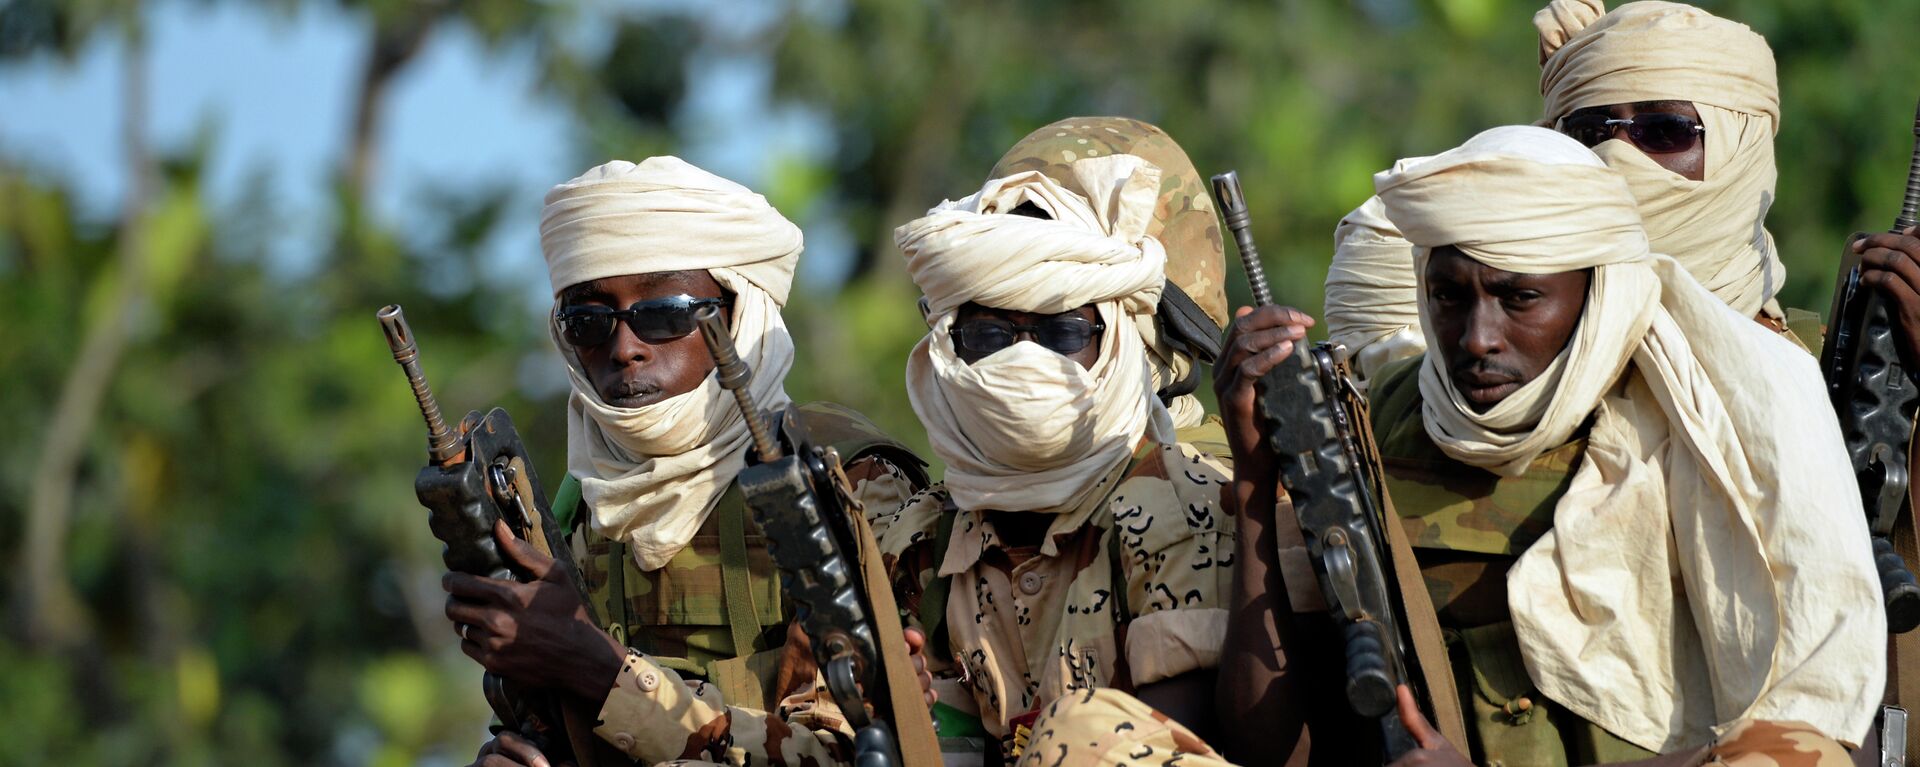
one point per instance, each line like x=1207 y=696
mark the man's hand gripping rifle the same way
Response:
x=802 y=500
x=473 y=478
x=1317 y=439
x=1875 y=393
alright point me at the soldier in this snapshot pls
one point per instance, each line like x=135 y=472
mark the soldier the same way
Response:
x=1636 y=535
x=1683 y=104
x=1076 y=541
x=697 y=649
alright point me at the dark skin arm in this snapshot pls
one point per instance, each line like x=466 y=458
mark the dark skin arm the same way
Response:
x=1890 y=266
x=510 y=750
x=1271 y=699
x=536 y=634
x=1435 y=751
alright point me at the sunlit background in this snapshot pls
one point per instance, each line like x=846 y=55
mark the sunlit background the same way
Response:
x=206 y=469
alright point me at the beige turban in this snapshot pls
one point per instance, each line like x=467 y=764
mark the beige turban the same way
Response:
x=1709 y=433
x=1644 y=51
x=1372 y=305
x=651 y=475
x=1024 y=428
x=1658 y=51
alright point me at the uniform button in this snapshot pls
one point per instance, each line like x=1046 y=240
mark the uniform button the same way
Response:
x=649 y=680
x=1030 y=583
x=623 y=741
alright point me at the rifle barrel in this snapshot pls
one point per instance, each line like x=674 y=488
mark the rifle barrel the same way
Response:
x=1910 y=207
x=1233 y=207
x=734 y=376
x=442 y=444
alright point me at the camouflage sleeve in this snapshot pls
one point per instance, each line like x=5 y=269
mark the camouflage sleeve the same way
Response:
x=1105 y=727
x=906 y=535
x=1178 y=546
x=1760 y=743
x=881 y=488
x=654 y=716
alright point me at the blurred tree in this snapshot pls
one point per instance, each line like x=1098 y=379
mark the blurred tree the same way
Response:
x=250 y=581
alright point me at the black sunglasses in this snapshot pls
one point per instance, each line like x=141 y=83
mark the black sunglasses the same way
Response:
x=1063 y=333
x=654 y=320
x=1653 y=132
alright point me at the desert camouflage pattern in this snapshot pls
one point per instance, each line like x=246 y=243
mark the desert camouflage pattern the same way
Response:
x=1108 y=728
x=1026 y=625
x=1184 y=220
x=663 y=707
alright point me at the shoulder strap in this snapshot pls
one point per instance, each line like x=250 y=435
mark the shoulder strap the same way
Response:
x=1423 y=621
x=566 y=503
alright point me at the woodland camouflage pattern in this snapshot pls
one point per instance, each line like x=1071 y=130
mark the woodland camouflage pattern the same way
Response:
x=660 y=709
x=1183 y=221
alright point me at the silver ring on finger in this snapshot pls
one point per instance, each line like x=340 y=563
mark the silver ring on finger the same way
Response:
x=463 y=632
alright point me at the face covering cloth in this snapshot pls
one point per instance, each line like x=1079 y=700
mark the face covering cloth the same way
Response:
x=651 y=475
x=1709 y=435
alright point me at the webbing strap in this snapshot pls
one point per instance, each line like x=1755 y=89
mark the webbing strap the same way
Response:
x=1423 y=621
x=735 y=578
x=1903 y=650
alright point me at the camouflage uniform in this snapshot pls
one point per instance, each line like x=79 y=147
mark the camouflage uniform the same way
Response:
x=1025 y=624
x=1098 y=728
x=1467 y=527
x=697 y=684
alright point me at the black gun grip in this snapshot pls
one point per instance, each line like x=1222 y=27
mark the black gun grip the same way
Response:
x=1903 y=593
x=1370 y=688
x=461 y=514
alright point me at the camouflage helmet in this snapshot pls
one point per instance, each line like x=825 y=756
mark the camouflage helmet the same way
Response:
x=1183 y=220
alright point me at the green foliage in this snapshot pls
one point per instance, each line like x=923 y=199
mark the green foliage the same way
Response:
x=258 y=583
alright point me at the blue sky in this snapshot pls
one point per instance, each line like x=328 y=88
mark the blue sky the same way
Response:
x=276 y=87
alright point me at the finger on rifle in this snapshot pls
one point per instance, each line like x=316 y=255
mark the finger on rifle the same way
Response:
x=1416 y=722
x=916 y=640
x=1901 y=261
x=521 y=552
x=474 y=616
x=1252 y=368
x=1901 y=284
x=512 y=744
x=476 y=588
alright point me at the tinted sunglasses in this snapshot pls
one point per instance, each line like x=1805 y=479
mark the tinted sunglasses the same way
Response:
x=1653 y=132
x=655 y=320
x=1066 y=334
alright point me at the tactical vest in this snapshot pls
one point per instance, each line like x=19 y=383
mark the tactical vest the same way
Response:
x=714 y=611
x=1468 y=526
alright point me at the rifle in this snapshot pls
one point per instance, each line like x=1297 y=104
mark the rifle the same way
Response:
x=1311 y=430
x=473 y=478
x=803 y=502
x=1875 y=395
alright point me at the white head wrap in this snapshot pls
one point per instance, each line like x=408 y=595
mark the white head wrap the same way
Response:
x=651 y=475
x=1026 y=429
x=1716 y=440
x=1644 y=51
